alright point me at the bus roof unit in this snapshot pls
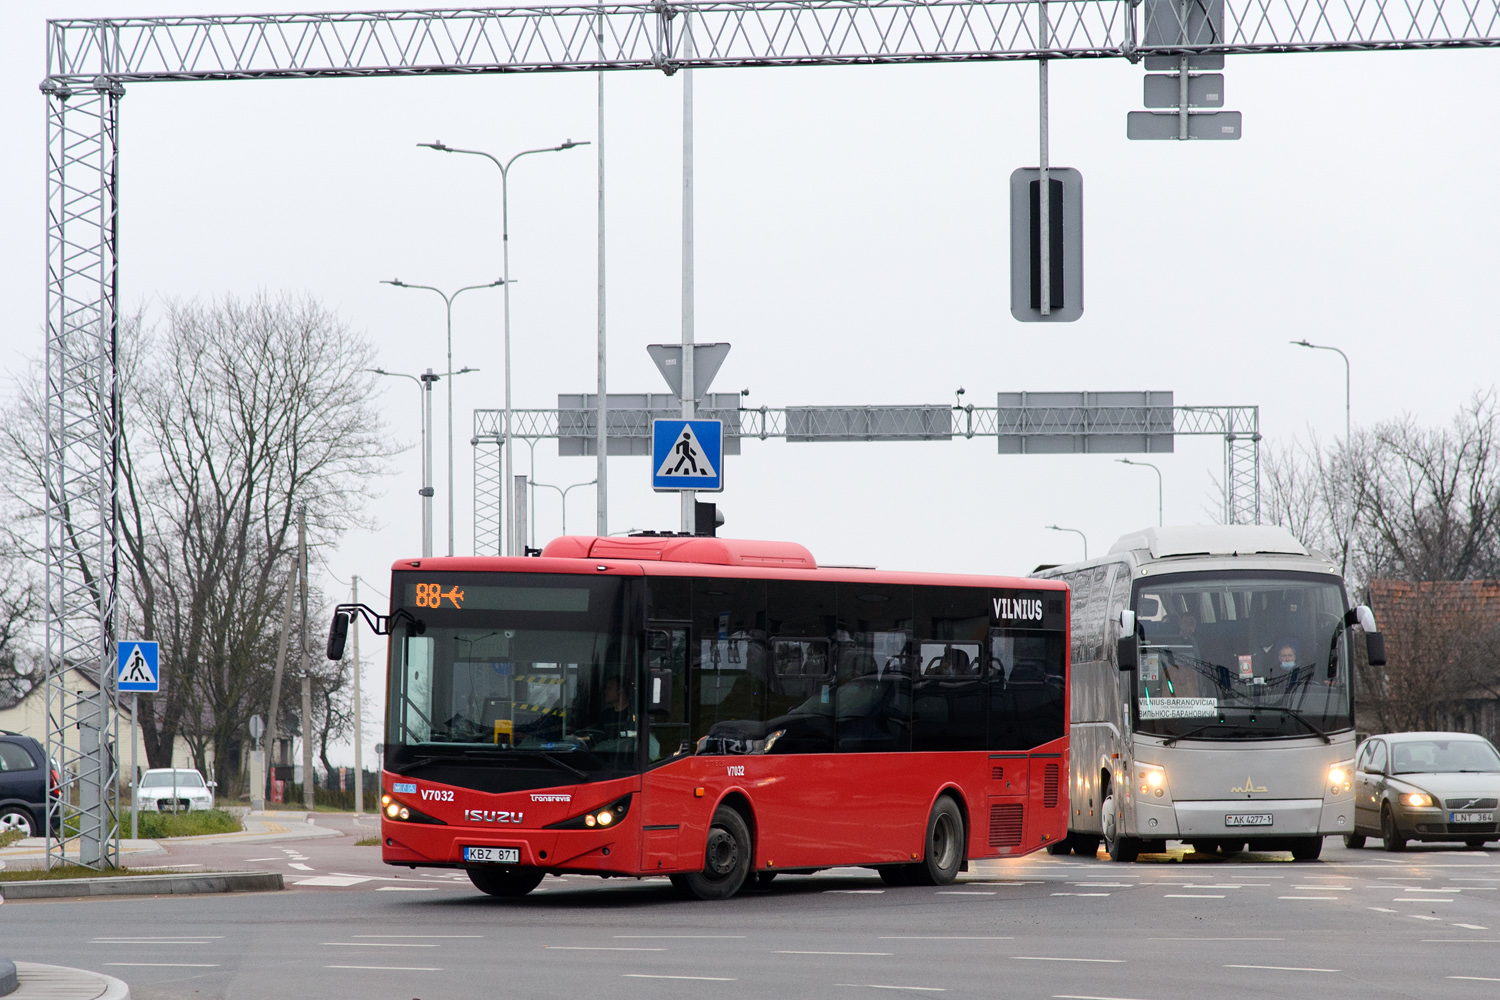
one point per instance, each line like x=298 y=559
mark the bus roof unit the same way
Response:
x=684 y=548
x=1212 y=540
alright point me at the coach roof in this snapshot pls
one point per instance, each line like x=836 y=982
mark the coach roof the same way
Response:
x=1212 y=540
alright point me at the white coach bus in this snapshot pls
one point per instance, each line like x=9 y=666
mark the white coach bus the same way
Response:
x=1211 y=697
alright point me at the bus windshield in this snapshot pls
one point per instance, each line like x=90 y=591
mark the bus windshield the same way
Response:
x=1242 y=656
x=544 y=670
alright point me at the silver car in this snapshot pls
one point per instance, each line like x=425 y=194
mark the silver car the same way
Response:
x=168 y=789
x=1426 y=787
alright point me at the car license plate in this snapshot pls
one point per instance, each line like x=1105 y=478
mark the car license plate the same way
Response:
x=493 y=855
x=1248 y=819
x=1473 y=818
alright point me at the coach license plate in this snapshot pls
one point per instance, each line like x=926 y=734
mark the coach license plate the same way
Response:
x=1248 y=819
x=493 y=855
x=1473 y=818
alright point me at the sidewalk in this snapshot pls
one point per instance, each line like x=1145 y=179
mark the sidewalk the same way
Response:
x=260 y=828
x=54 y=982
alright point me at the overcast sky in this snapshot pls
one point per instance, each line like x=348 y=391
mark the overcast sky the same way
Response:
x=852 y=233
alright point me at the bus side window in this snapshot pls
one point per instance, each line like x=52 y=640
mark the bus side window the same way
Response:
x=666 y=673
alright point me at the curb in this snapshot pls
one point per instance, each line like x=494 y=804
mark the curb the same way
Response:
x=143 y=885
x=51 y=981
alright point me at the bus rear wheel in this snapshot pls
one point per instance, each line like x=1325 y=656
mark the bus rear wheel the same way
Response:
x=507 y=883
x=726 y=859
x=946 y=845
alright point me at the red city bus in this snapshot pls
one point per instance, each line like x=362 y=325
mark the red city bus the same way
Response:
x=715 y=710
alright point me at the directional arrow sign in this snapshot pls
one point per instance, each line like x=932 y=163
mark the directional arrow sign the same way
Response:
x=687 y=455
x=136 y=666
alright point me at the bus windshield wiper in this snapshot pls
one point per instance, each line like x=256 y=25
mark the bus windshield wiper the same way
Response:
x=1303 y=719
x=555 y=760
x=1190 y=732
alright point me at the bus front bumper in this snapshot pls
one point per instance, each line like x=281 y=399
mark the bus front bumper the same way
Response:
x=1223 y=818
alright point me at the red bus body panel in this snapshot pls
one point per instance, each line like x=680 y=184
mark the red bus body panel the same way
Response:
x=806 y=811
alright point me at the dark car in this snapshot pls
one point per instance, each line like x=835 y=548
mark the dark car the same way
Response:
x=23 y=784
x=1426 y=787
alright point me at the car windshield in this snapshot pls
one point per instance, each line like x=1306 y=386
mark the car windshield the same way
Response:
x=1437 y=756
x=548 y=673
x=165 y=779
x=1242 y=656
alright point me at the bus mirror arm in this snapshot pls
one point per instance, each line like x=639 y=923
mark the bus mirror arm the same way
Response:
x=1126 y=650
x=338 y=629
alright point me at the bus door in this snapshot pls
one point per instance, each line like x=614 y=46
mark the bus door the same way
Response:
x=665 y=789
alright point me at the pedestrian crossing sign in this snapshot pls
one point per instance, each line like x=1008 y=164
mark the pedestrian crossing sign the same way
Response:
x=687 y=455
x=136 y=667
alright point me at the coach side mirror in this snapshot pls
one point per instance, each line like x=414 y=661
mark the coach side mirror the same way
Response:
x=1126 y=652
x=338 y=632
x=1127 y=622
x=1361 y=616
x=660 y=702
x=1375 y=649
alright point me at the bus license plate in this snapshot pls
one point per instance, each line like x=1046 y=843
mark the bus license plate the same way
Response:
x=1247 y=819
x=493 y=855
x=1473 y=818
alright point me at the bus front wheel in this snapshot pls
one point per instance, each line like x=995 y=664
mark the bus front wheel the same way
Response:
x=946 y=845
x=1120 y=847
x=726 y=859
x=506 y=883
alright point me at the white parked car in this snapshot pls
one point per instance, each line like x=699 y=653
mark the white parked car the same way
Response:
x=174 y=789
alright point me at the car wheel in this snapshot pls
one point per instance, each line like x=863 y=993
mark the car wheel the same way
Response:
x=946 y=844
x=1119 y=847
x=1307 y=848
x=726 y=858
x=1388 y=832
x=13 y=818
x=1354 y=841
x=506 y=883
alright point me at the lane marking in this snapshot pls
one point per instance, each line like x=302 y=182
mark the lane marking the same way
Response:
x=128 y=941
x=1189 y=895
x=163 y=965
x=388 y=968
x=582 y=947
x=300 y=867
x=919 y=989
x=262 y=859
x=407 y=937
x=939 y=937
x=1416 y=916
x=856 y=892
x=1472 y=927
x=1215 y=939
x=1480 y=979
x=406 y=888
x=1324 y=888
x=1413 y=899
x=1073 y=996
x=1307 y=897
x=1419 y=888
x=963 y=892
x=701 y=979
x=870 y=954
x=1461 y=940
x=684 y=937
x=171 y=939
x=374 y=944
x=1048 y=958
x=1080 y=894
x=1281 y=968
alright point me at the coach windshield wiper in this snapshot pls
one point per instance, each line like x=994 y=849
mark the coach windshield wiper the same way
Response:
x=1303 y=719
x=1191 y=732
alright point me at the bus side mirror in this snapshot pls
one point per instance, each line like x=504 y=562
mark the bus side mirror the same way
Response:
x=1127 y=622
x=338 y=632
x=1375 y=649
x=660 y=702
x=1126 y=652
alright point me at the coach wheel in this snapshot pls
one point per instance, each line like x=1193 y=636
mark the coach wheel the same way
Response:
x=1307 y=848
x=1120 y=847
x=1389 y=833
x=506 y=883
x=1354 y=841
x=1085 y=845
x=945 y=845
x=726 y=858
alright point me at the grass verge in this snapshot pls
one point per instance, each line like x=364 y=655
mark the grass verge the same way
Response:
x=79 y=871
x=152 y=825
x=367 y=842
x=11 y=836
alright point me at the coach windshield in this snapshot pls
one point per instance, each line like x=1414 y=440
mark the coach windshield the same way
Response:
x=1242 y=656
x=527 y=667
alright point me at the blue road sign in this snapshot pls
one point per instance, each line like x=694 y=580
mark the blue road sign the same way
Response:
x=687 y=455
x=135 y=668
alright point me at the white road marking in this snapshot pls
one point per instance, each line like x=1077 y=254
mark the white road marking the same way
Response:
x=1472 y=927
x=1461 y=940
x=1193 y=895
x=940 y=937
x=1380 y=909
x=1418 y=888
x=407 y=937
x=919 y=989
x=1415 y=899
x=1417 y=916
x=868 y=954
x=1324 y=888
x=963 y=892
x=1071 y=996
x=856 y=892
x=684 y=937
x=388 y=968
x=1480 y=979
x=172 y=939
x=1080 y=894
x=163 y=965
x=1107 y=885
x=247 y=860
x=337 y=881
x=373 y=944
x=299 y=867
x=1281 y=968
x=1215 y=939
x=701 y=979
x=1307 y=897
x=581 y=947
x=131 y=941
x=406 y=888
x=1048 y=958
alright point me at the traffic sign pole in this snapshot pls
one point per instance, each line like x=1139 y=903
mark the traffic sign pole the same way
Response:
x=135 y=706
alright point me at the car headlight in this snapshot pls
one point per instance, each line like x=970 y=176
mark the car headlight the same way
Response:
x=1418 y=799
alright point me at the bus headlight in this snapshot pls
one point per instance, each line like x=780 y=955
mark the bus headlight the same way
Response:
x=1153 y=781
x=1339 y=776
x=594 y=819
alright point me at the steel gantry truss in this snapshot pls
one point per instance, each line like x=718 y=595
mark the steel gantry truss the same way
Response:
x=89 y=61
x=1238 y=426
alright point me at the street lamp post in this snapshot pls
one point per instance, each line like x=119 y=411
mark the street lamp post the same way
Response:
x=1126 y=461
x=1348 y=445
x=424 y=386
x=1075 y=531
x=510 y=529
x=448 y=305
x=564 y=491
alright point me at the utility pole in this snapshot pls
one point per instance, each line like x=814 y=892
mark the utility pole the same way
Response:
x=307 y=773
x=273 y=724
x=359 y=732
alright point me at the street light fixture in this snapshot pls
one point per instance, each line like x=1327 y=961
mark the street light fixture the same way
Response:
x=1126 y=461
x=564 y=491
x=1348 y=444
x=504 y=167
x=448 y=305
x=1054 y=527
